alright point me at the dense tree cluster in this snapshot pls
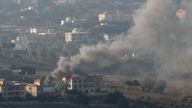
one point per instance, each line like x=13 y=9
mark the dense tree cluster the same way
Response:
x=148 y=85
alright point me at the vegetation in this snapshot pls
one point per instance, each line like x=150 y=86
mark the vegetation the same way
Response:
x=150 y=85
x=117 y=98
x=46 y=97
x=133 y=84
x=40 y=53
x=62 y=88
x=78 y=98
x=147 y=85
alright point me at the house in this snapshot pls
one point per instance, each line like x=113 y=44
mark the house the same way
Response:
x=62 y=2
x=32 y=89
x=23 y=71
x=37 y=82
x=16 y=89
x=41 y=31
x=13 y=89
x=78 y=36
x=67 y=21
x=114 y=17
x=88 y=84
x=45 y=89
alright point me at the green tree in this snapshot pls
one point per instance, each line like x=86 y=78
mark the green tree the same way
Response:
x=123 y=103
x=51 y=56
x=30 y=51
x=40 y=53
x=148 y=84
x=133 y=84
x=115 y=98
x=78 y=97
x=69 y=49
x=63 y=88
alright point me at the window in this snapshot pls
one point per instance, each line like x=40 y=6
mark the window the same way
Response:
x=85 y=86
x=75 y=81
x=17 y=88
x=30 y=89
x=75 y=86
x=97 y=84
x=11 y=88
x=91 y=91
x=80 y=81
x=17 y=93
x=86 y=91
x=10 y=93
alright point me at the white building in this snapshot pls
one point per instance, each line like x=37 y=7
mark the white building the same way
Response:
x=41 y=31
x=78 y=36
x=67 y=20
x=114 y=17
x=88 y=84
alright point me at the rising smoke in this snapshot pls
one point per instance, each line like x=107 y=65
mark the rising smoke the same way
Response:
x=156 y=31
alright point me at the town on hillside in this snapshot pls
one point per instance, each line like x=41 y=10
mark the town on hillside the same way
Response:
x=95 y=54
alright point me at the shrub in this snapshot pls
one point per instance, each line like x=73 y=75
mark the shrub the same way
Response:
x=148 y=84
x=115 y=98
x=78 y=98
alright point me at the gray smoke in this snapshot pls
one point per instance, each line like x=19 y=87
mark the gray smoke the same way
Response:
x=157 y=31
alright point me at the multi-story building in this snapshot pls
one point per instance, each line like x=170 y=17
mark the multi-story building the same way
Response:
x=88 y=84
x=79 y=37
x=114 y=17
x=23 y=71
x=32 y=89
x=13 y=89
x=45 y=89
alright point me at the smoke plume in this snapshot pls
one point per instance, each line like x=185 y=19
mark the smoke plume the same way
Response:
x=158 y=42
